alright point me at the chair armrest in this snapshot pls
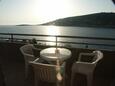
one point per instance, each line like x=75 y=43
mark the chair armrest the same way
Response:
x=36 y=60
x=29 y=57
x=86 y=63
x=99 y=56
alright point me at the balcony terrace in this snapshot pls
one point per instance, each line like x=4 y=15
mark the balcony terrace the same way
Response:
x=12 y=63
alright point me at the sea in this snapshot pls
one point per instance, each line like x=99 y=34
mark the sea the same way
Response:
x=66 y=31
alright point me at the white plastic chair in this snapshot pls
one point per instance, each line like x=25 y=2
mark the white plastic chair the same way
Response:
x=27 y=52
x=45 y=72
x=87 y=67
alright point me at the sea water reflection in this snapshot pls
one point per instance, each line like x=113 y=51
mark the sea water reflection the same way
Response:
x=52 y=30
x=65 y=31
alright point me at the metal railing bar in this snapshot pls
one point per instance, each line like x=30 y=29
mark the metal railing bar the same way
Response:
x=82 y=43
x=62 y=36
x=12 y=39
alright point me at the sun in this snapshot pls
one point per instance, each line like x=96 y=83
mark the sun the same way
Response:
x=47 y=10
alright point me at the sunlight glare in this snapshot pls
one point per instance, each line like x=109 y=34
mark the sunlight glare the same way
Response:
x=48 y=10
x=52 y=30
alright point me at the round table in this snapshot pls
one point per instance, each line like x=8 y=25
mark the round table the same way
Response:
x=53 y=54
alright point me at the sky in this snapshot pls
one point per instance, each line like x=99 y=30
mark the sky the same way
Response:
x=13 y=12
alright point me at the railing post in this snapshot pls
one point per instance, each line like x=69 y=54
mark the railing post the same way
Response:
x=86 y=45
x=56 y=42
x=12 y=38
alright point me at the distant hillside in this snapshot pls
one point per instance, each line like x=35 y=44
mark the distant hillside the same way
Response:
x=24 y=25
x=94 y=20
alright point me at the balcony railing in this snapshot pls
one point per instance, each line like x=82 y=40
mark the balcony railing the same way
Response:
x=60 y=39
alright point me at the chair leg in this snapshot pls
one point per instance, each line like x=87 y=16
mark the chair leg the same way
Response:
x=89 y=80
x=35 y=81
x=72 y=78
x=64 y=78
x=26 y=70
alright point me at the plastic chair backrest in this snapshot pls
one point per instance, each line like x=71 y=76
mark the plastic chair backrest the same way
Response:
x=44 y=72
x=93 y=57
x=86 y=57
x=27 y=49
